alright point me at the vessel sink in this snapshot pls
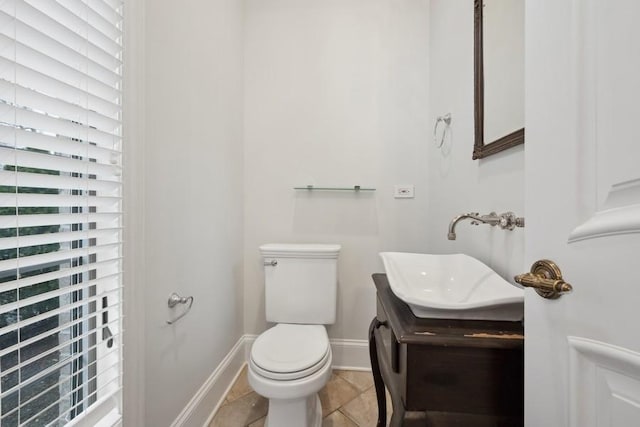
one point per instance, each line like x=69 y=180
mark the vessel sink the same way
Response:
x=454 y=286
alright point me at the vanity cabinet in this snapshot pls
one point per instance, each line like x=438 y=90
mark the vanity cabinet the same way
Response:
x=445 y=373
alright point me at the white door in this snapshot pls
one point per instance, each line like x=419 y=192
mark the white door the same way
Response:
x=582 y=351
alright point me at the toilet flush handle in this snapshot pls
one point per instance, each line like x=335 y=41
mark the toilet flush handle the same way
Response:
x=271 y=263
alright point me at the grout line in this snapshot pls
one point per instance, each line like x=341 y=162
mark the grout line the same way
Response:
x=243 y=372
x=346 y=414
x=331 y=413
x=351 y=382
x=355 y=397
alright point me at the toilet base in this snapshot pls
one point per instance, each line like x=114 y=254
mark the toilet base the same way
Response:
x=292 y=403
x=304 y=412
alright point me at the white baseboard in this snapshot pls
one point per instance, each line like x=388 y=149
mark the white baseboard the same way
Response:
x=200 y=409
x=352 y=355
x=347 y=354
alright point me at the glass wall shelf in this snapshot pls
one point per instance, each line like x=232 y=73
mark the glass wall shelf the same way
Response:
x=314 y=188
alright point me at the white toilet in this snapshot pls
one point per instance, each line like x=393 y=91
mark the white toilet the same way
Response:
x=291 y=361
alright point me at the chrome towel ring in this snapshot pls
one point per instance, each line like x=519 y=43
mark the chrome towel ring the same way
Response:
x=446 y=121
x=175 y=299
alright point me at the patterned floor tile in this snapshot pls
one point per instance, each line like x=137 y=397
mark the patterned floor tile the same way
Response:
x=363 y=380
x=241 y=387
x=259 y=423
x=241 y=412
x=336 y=393
x=337 y=419
x=363 y=410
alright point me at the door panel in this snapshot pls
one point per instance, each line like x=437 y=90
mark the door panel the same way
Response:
x=583 y=211
x=608 y=91
x=608 y=376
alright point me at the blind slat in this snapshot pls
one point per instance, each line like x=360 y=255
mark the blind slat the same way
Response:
x=57 y=145
x=59 y=182
x=43 y=161
x=104 y=270
x=61 y=256
x=47 y=238
x=108 y=219
x=58 y=201
x=39 y=160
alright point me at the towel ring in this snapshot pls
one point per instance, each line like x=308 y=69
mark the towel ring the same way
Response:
x=175 y=299
x=446 y=120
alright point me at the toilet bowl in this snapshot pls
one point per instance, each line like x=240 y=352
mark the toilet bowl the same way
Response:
x=289 y=364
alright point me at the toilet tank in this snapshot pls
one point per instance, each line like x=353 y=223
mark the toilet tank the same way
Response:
x=301 y=282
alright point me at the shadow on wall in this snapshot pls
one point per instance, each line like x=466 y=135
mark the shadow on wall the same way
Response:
x=331 y=212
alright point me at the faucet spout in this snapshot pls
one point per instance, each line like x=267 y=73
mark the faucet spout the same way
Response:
x=506 y=221
x=455 y=220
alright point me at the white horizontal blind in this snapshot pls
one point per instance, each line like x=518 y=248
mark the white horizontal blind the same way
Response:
x=60 y=211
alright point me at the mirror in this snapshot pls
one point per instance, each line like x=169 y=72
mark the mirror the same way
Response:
x=499 y=75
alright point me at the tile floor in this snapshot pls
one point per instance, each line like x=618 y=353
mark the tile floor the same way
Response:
x=348 y=400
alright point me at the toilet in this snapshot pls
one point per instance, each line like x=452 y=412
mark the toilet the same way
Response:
x=291 y=361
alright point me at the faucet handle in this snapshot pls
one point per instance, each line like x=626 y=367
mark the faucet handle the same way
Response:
x=505 y=222
x=509 y=221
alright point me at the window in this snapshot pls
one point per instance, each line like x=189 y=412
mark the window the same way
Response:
x=60 y=212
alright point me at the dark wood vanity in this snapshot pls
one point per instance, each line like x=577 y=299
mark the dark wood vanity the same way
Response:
x=445 y=373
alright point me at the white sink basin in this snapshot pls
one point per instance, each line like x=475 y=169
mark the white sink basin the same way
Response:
x=451 y=287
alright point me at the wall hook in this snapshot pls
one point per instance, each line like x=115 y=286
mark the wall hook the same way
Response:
x=175 y=299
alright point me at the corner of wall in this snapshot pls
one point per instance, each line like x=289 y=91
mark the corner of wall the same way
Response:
x=133 y=211
x=200 y=410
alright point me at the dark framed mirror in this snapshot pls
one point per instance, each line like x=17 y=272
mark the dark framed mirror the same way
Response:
x=498 y=76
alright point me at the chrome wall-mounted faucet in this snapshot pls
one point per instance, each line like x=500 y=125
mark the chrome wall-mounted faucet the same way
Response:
x=506 y=221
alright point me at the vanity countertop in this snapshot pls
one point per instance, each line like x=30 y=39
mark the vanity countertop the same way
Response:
x=448 y=332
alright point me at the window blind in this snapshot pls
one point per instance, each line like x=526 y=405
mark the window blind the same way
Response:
x=60 y=212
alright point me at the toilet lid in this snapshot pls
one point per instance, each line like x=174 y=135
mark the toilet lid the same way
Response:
x=288 y=348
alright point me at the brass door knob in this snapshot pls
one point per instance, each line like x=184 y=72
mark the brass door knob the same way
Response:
x=546 y=278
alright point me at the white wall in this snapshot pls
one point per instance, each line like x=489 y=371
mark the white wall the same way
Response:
x=335 y=95
x=458 y=184
x=193 y=195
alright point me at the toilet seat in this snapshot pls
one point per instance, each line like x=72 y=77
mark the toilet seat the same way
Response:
x=289 y=351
